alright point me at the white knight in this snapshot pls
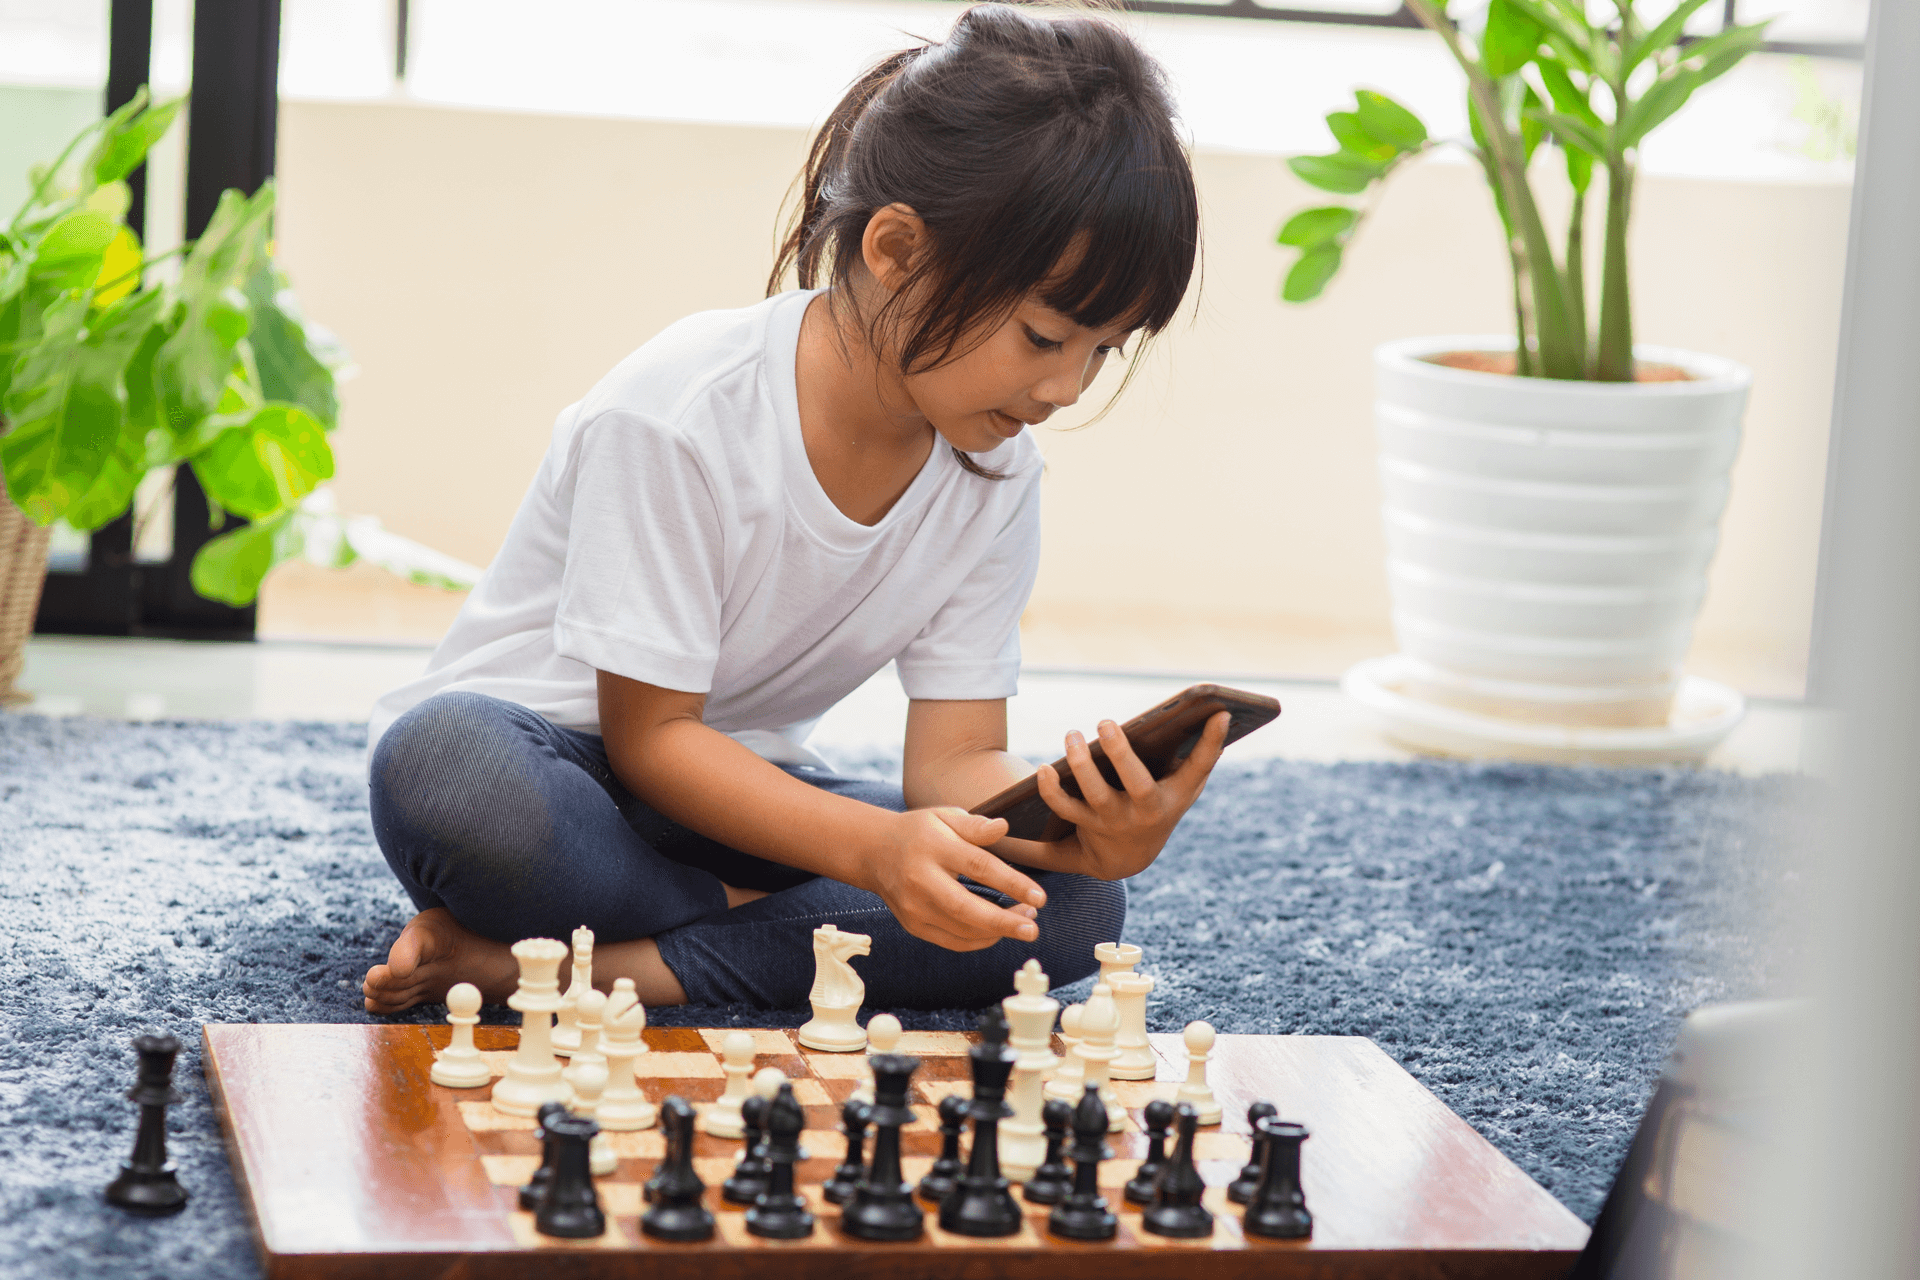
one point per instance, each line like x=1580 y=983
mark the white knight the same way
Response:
x=837 y=992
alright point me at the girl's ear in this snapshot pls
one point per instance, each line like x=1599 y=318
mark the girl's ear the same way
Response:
x=894 y=239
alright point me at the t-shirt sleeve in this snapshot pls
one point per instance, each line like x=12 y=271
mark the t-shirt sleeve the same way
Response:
x=971 y=647
x=641 y=588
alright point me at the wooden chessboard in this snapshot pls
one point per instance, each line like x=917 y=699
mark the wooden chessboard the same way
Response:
x=354 y=1165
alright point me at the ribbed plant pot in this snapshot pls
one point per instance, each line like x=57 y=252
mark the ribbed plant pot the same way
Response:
x=23 y=571
x=1547 y=549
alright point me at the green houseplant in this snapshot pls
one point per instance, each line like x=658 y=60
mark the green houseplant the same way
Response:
x=1549 y=533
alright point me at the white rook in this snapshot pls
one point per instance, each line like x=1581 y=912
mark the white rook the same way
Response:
x=1135 y=1060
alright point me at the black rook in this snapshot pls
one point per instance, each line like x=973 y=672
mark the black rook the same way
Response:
x=147 y=1183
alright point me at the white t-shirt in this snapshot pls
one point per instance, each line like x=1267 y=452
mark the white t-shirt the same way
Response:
x=675 y=534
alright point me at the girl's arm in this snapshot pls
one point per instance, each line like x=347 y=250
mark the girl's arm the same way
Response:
x=662 y=752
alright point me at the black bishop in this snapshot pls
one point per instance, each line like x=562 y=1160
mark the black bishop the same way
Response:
x=675 y=1191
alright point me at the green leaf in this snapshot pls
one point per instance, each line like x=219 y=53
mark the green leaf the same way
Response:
x=1389 y=122
x=1532 y=131
x=288 y=368
x=230 y=568
x=269 y=463
x=1340 y=173
x=1579 y=169
x=1719 y=54
x=1310 y=227
x=123 y=147
x=1310 y=275
x=1566 y=95
x=1664 y=34
x=1511 y=39
x=1355 y=141
x=193 y=363
x=113 y=487
x=68 y=401
x=69 y=255
x=1664 y=97
x=1573 y=132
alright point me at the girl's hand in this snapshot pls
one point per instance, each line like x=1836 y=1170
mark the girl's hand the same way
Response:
x=916 y=873
x=1119 y=833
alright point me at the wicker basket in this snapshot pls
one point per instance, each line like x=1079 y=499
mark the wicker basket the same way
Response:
x=23 y=570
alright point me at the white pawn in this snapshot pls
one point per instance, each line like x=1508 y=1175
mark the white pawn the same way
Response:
x=766 y=1084
x=589 y=1081
x=883 y=1036
x=623 y=1107
x=1136 y=1060
x=1199 y=1038
x=566 y=1032
x=722 y=1119
x=588 y=1010
x=1065 y=1084
x=1096 y=1052
x=460 y=1065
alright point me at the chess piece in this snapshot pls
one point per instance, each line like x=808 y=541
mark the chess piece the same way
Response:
x=980 y=1204
x=623 y=1108
x=1083 y=1215
x=1176 y=1210
x=1240 y=1190
x=533 y=1076
x=1159 y=1118
x=1030 y=1013
x=1067 y=1079
x=1052 y=1181
x=147 y=1184
x=460 y=1065
x=549 y=1155
x=882 y=1207
x=946 y=1169
x=1096 y=1051
x=837 y=992
x=588 y=1011
x=750 y=1171
x=1195 y=1091
x=1134 y=1059
x=570 y=1208
x=736 y=1059
x=1115 y=957
x=566 y=1031
x=854 y=1115
x=588 y=1078
x=883 y=1036
x=780 y=1212
x=1278 y=1209
x=674 y=1192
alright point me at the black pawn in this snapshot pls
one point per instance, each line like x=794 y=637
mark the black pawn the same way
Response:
x=147 y=1183
x=945 y=1174
x=1278 y=1210
x=570 y=1208
x=853 y=1122
x=981 y=1205
x=1176 y=1209
x=882 y=1207
x=1240 y=1190
x=1159 y=1118
x=780 y=1212
x=549 y=1151
x=1083 y=1214
x=750 y=1174
x=675 y=1190
x=1052 y=1182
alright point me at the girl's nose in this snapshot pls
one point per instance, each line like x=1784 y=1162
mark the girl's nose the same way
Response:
x=1061 y=390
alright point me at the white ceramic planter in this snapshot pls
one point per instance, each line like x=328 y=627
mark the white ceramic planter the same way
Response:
x=1548 y=541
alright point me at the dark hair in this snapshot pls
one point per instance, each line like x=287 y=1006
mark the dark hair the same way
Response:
x=1024 y=144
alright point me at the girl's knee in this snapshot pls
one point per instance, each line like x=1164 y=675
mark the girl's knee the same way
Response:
x=1081 y=912
x=446 y=777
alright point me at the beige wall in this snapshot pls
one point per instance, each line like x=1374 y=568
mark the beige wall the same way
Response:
x=486 y=268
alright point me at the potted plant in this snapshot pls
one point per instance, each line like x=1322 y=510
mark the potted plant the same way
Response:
x=1553 y=495
x=108 y=372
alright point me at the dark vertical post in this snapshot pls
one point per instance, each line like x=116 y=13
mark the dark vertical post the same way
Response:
x=230 y=143
x=400 y=17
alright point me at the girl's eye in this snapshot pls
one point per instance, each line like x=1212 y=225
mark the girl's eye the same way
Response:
x=1107 y=351
x=1045 y=344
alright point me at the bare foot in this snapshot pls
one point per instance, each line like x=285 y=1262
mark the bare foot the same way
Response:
x=432 y=953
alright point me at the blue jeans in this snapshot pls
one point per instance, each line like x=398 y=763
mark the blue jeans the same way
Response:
x=519 y=829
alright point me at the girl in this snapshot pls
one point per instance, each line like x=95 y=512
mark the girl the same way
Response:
x=759 y=509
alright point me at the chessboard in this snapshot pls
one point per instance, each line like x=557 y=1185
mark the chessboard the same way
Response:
x=353 y=1164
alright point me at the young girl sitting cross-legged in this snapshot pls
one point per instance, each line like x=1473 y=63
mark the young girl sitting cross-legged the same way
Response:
x=758 y=510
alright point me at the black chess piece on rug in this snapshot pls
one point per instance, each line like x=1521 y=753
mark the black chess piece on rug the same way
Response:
x=854 y=1115
x=1083 y=1215
x=1240 y=1190
x=946 y=1170
x=980 y=1204
x=549 y=1151
x=1052 y=1182
x=1278 y=1210
x=570 y=1208
x=1176 y=1210
x=147 y=1183
x=780 y=1212
x=1159 y=1117
x=675 y=1191
x=883 y=1207
x=750 y=1173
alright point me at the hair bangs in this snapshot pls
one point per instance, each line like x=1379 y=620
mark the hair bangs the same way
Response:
x=1134 y=248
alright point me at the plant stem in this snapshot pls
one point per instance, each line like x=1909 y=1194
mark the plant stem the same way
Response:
x=1523 y=362
x=174 y=252
x=1576 y=271
x=1613 y=362
x=53 y=171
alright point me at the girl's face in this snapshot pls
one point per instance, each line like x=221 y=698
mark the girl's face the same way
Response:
x=1037 y=361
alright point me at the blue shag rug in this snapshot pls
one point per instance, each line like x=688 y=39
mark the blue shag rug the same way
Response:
x=1525 y=940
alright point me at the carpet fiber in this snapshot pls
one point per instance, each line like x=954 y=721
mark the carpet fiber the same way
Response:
x=1525 y=940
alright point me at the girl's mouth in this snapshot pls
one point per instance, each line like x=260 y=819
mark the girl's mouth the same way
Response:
x=1006 y=424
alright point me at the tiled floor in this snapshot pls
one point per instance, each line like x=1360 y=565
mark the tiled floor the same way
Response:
x=275 y=679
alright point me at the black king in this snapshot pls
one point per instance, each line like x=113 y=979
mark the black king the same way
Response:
x=980 y=1204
